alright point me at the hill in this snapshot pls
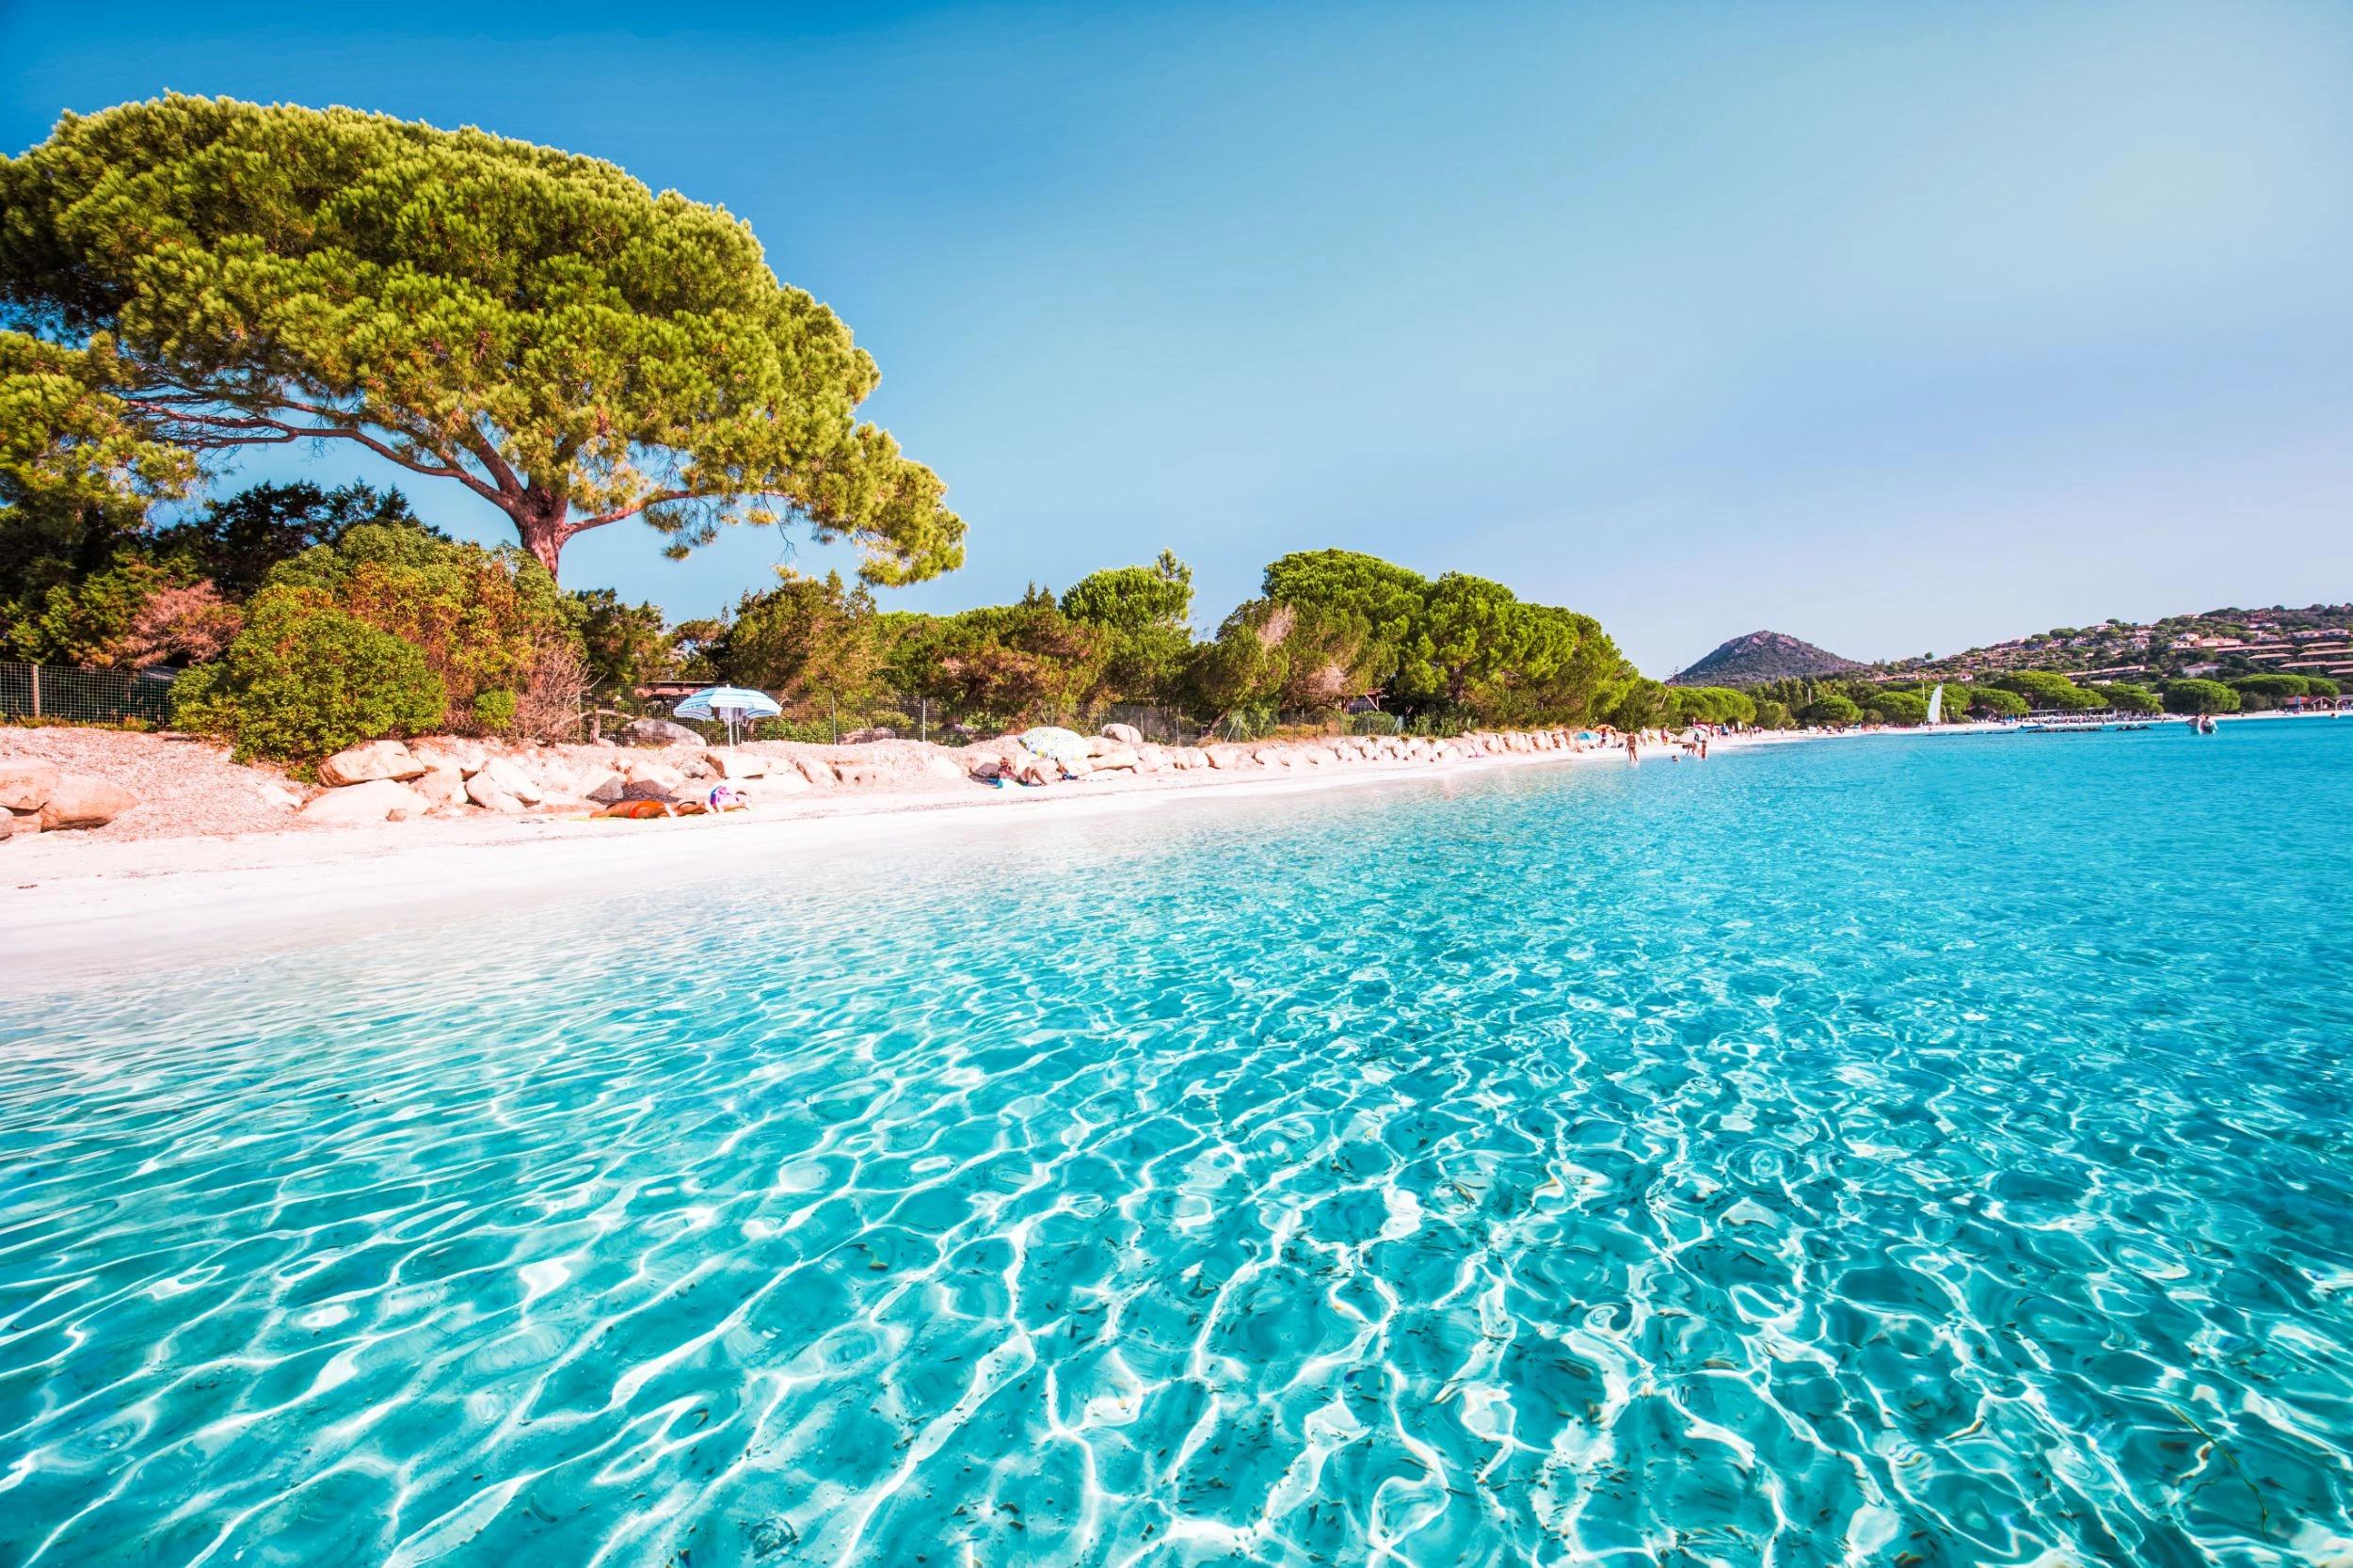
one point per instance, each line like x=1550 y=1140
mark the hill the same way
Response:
x=1763 y=656
x=2315 y=639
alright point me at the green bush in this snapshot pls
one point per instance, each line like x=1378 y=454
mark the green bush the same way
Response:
x=1900 y=707
x=1374 y=724
x=2200 y=696
x=301 y=682
x=1830 y=710
x=1773 y=715
x=2127 y=698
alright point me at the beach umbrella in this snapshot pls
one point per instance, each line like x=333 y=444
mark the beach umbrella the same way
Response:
x=730 y=705
x=1063 y=746
x=1586 y=735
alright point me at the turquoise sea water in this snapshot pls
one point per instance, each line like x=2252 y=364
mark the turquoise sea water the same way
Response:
x=1907 y=1151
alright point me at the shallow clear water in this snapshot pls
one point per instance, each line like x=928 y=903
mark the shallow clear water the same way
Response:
x=1910 y=1151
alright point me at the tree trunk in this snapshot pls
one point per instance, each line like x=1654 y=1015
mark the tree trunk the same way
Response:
x=539 y=523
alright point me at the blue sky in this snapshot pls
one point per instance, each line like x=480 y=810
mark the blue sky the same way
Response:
x=1897 y=327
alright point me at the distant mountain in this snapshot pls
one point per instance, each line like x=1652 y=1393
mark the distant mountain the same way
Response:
x=1763 y=656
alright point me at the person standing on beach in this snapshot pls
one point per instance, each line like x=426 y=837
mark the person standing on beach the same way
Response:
x=1631 y=755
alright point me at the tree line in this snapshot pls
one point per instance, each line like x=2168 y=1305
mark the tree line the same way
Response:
x=1831 y=703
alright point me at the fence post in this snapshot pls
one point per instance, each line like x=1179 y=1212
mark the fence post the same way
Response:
x=36 y=669
x=923 y=719
x=833 y=717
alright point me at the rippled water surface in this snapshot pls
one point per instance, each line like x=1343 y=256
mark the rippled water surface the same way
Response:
x=1906 y=1151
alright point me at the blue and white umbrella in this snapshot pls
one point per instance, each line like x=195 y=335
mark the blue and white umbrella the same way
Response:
x=730 y=705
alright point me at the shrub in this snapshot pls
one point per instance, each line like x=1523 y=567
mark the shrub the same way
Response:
x=2200 y=696
x=1374 y=724
x=1994 y=701
x=2127 y=698
x=304 y=681
x=1830 y=710
x=1900 y=707
x=2044 y=689
x=1773 y=715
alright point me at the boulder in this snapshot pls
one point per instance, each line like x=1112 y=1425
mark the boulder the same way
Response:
x=79 y=800
x=858 y=775
x=1125 y=734
x=867 y=737
x=441 y=787
x=372 y=800
x=941 y=766
x=659 y=732
x=601 y=785
x=730 y=764
x=819 y=776
x=1117 y=759
x=436 y=752
x=280 y=797
x=369 y=762
x=1223 y=759
x=785 y=781
x=8 y=826
x=484 y=792
x=24 y=784
x=501 y=775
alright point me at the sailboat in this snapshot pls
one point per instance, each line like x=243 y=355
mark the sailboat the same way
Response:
x=1936 y=704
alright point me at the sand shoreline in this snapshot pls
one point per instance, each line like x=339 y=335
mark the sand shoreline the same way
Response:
x=64 y=902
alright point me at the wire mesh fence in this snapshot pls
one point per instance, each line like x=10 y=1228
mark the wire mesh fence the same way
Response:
x=76 y=696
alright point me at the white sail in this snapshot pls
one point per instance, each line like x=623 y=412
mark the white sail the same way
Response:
x=1936 y=704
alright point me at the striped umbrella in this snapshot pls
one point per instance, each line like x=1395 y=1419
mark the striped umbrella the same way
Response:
x=731 y=705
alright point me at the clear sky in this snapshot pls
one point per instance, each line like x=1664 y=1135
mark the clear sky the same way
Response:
x=1896 y=328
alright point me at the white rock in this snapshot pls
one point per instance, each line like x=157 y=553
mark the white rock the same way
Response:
x=24 y=784
x=441 y=787
x=365 y=763
x=1117 y=759
x=78 y=800
x=373 y=800
x=484 y=792
x=1125 y=734
x=742 y=764
x=450 y=751
x=502 y=775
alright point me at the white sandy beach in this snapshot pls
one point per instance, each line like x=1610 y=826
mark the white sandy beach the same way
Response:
x=70 y=899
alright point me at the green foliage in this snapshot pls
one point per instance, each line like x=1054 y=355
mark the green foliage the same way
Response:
x=1279 y=655
x=485 y=621
x=1712 y=705
x=1385 y=602
x=809 y=642
x=2320 y=685
x=622 y=646
x=1006 y=664
x=1830 y=710
x=2260 y=692
x=1642 y=704
x=1773 y=715
x=2041 y=689
x=303 y=680
x=1992 y=702
x=1129 y=598
x=2128 y=699
x=236 y=542
x=570 y=346
x=2200 y=696
x=1901 y=708
x=1143 y=610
